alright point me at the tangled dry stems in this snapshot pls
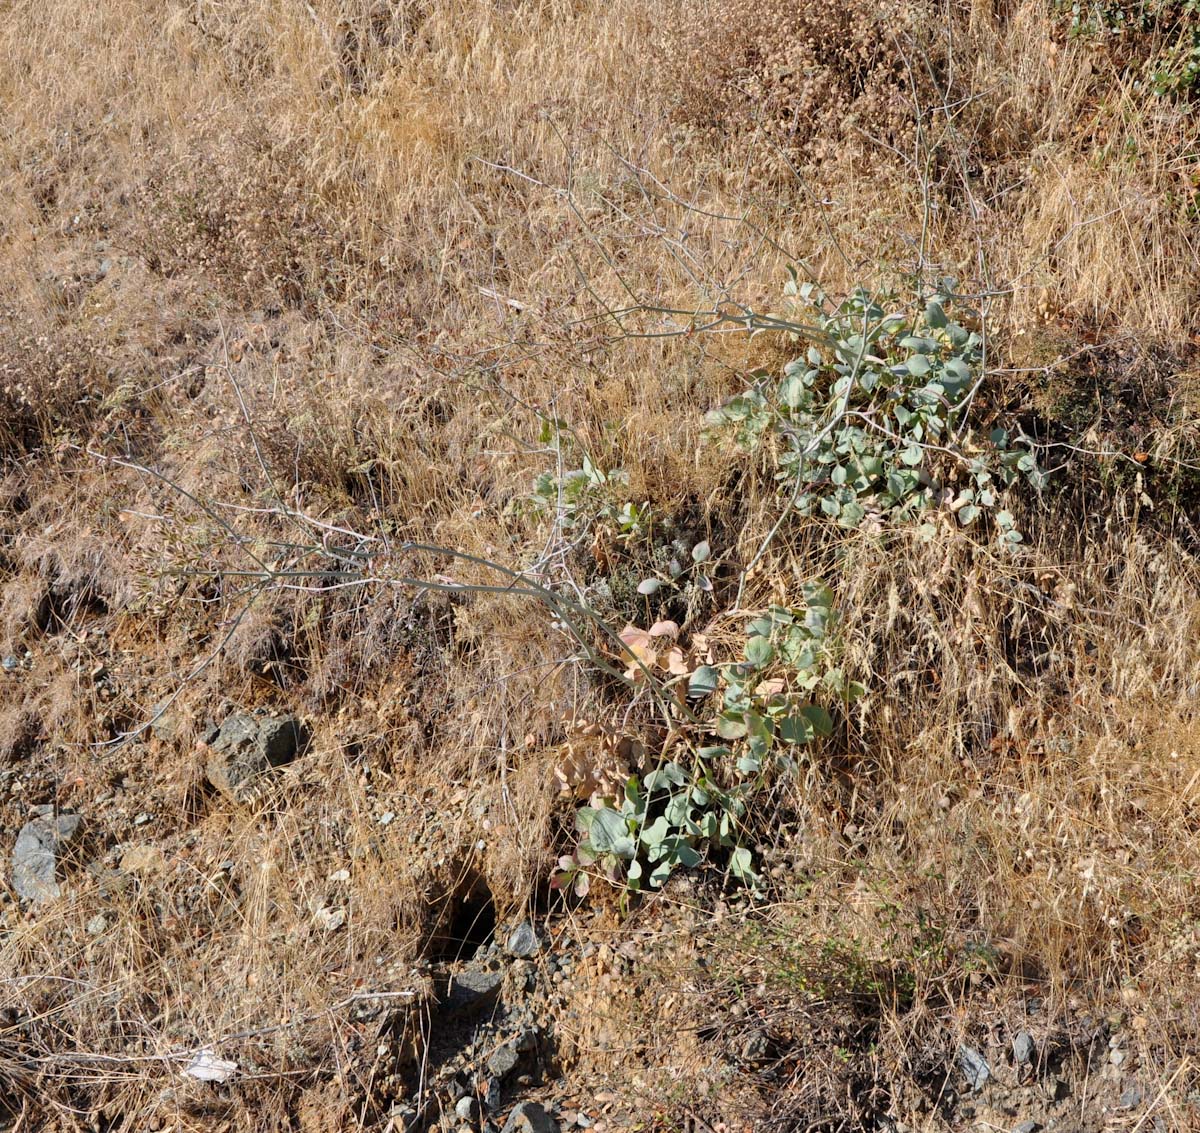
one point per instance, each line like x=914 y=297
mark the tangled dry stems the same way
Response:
x=374 y=248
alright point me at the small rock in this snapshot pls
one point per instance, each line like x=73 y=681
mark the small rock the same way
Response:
x=142 y=819
x=523 y=942
x=40 y=843
x=339 y=876
x=1132 y=1097
x=247 y=746
x=1023 y=1048
x=529 y=1117
x=503 y=1061
x=471 y=990
x=98 y=925
x=10 y=663
x=1027 y=1127
x=491 y=1094
x=527 y=1039
x=329 y=919
x=755 y=1047
x=974 y=1067
x=142 y=859
x=1117 y=1057
x=405 y=1118
x=467 y=1109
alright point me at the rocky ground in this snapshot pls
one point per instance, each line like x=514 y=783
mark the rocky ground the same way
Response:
x=687 y=1011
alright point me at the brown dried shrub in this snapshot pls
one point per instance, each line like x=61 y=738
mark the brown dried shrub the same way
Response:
x=814 y=82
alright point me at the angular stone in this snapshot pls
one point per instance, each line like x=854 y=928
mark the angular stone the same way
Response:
x=523 y=942
x=974 y=1067
x=467 y=1109
x=529 y=1117
x=503 y=1061
x=1022 y=1048
x=1132 y=1097
x=40 y=843
x=471 y=991
x=247 y=746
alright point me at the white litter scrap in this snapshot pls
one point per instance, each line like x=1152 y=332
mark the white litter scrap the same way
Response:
x=209 y=1068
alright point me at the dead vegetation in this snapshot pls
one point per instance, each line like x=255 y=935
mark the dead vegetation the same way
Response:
x=286 y=290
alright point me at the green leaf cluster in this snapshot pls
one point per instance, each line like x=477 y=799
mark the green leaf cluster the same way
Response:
x=871 y=416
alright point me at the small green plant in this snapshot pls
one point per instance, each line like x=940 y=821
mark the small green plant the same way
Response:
x=585 y=495
x=746 y=719
x=1169 y=28
x=692 y=569
x=769 y=700
x=870 y=422
x=664 y=821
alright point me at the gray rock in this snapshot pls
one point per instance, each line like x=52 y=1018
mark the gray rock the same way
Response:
x=405 y=1118
x=164 y=723
x=523 y=942
x=247 y=746
x=467 y=1109
x=10 y=663
x=98 y=925
x=974 y=1067
x=527 y=1039
x=755 y=1046
x=491 y=1094
x=529 y=1117
x=40 y=843
x=1023 y=1048
x=1027 y=1127
x=503 y=1061
x=1132 y=1097
x=471 y=991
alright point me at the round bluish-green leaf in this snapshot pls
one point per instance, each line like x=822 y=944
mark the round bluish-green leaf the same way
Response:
x=919 y=344
x=649 y=586
x=917 y=365
x=795 y=730
x=731 y=726
x=741 y=865
x=821 y=721
x=607 y=831
x=759 y=651
x=703 y=681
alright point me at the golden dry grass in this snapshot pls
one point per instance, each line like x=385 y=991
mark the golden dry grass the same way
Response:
x=344 y=260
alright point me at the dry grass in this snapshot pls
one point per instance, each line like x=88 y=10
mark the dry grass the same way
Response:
x=343 y=261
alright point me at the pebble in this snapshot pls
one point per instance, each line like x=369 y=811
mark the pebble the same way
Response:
x=329 y=919
x=523 y=942
x=974 y=1067
x=40 y=844
x=11 y=663
x=467 y=1109
x=1022 y=1048
x=503 y=1061
x=98 y=925
x=530 y=1117
x=1131 y=1098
